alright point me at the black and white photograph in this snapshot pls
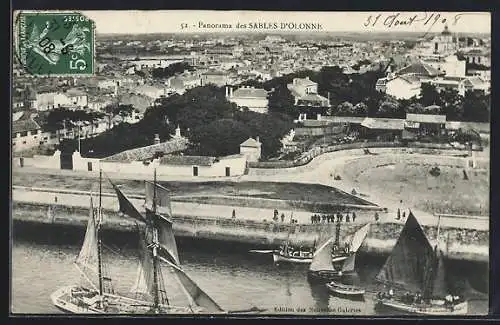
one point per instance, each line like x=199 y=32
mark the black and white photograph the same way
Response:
x=195 y=162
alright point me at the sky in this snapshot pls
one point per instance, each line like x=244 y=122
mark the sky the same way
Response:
x=179 y=21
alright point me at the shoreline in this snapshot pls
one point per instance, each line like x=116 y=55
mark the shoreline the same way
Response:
x=381 y=237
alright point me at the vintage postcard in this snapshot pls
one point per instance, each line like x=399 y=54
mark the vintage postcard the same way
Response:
x=246 y=162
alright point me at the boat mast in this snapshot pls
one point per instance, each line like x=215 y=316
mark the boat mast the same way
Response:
x=337 y=234
x=99 y=244
x=155 y=247
x=289 y=232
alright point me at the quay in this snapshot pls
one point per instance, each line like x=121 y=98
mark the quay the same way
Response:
x=460 y=238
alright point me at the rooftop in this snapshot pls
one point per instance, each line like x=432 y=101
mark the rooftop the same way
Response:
x=250 y=142
x=24 y=125
x=426 y=118
x=187 y=160
x=420 y=69
x=247 y=92
x=383 y=123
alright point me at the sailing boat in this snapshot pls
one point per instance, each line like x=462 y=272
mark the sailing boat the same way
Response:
x=350 y=284
x=289 y=254
x=157 y=246
x=324 y=268
x=416 y=276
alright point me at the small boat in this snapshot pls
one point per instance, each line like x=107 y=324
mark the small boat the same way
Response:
x=349 y=283
x=345 y=289
x=416 y=276
x=325 y=269
x=158 y=250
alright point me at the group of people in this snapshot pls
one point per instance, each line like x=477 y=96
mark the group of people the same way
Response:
x=275 y=216
x=330 y=218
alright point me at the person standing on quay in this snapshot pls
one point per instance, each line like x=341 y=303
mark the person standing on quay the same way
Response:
x=399 y=214
x=282 y=217
x=234 y=214
x=353 y=216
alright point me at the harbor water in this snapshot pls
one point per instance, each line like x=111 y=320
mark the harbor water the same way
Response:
x=43 y=256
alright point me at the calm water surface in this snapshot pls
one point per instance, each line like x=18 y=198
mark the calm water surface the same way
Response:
x=235 y=278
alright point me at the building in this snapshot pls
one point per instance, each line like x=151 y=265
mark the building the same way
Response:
x=445 y=43
x=218 y=78
x=254 y=99
x=478 y=56
x=382 y=128
x=26 y=134
x=425 y=124
x=305 y=92
x=152 y=92
x=71 y=98
x=450 y=65
x=401 y=87
x=251 y=149
x=183 y=82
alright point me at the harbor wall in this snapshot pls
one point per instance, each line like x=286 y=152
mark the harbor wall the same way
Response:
x=457 y=244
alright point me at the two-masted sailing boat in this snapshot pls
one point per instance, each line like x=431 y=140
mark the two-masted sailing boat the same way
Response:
x=325 y=269
x=349 y=282
x=415 y=276
x=157 y=248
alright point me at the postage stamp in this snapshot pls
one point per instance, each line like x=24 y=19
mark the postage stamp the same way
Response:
x=55 y=43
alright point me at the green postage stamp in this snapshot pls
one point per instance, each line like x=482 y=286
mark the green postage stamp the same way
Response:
x=55 y=43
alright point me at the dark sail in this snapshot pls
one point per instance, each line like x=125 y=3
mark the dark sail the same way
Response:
x=197 y=294
x=144 y=283
x=412 y=260
x=162 y=198
x=126 y=207
x=166 y=239
x=439 y=285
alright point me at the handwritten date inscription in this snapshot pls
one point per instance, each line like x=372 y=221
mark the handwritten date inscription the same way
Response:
x=397 y=19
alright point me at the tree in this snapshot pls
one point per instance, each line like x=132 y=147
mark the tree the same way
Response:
x=219 y=138
x=476 y=106
x=171 y=70
x=452 y=104
x=415 y=108
x=360 y=109
x=345 y=108
x=429 y=95
x=282 y=101
x=390 y=108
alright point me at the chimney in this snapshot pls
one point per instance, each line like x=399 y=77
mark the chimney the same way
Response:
x=227 y=91
x=178 y=132
x=230 y=91
x=257 y=139
x=157 y=139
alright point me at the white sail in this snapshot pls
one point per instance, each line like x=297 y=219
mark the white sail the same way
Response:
x=322 y=258
x=87 y=259
x=358 y=238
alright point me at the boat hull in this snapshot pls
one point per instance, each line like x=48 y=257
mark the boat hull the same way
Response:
x=345 y=290
x=64 y=300
x=323 y=276
x=278 y=258
x=435 y=308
